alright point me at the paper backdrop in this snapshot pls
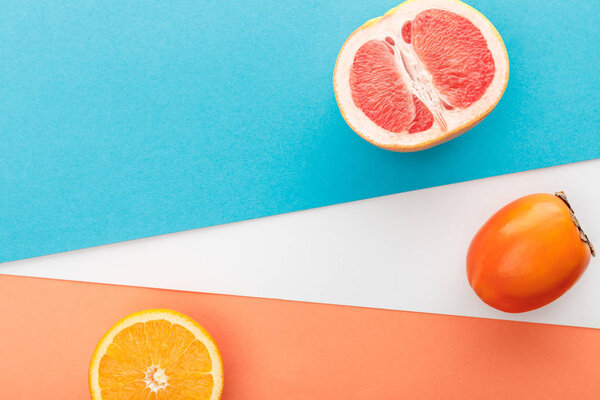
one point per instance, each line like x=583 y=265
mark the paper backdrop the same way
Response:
x=275 y=350
x=126 y=119
x=402 y=252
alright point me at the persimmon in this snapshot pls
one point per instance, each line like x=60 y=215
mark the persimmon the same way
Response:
x=528 y=253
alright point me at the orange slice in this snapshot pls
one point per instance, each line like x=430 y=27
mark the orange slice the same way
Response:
x=156 y=355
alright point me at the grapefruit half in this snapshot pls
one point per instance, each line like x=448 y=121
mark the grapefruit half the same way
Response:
x=423 y=73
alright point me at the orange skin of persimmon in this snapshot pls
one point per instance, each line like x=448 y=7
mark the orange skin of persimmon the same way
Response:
x=527 y=254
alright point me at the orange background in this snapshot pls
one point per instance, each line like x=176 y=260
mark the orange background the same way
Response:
x=276 y=350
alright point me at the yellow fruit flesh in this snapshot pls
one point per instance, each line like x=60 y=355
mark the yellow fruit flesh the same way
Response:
x=156 y=360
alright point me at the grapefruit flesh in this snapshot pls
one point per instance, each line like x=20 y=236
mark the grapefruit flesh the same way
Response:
x=378 y=88
x=425 y=72
x=454 y=51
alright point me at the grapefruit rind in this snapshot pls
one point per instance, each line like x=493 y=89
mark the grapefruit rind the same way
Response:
x=461 y=121
x=149 y=315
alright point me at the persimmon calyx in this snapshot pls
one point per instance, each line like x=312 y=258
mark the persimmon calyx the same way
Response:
x=584 y=237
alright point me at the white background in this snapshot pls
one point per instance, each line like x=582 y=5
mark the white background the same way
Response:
x=404 y=252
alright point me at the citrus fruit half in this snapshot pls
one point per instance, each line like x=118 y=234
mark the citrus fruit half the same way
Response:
x=156 y=355
x=422 y=74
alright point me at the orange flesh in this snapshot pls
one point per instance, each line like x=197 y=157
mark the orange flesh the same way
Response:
x=455 y=65
x=156 y=360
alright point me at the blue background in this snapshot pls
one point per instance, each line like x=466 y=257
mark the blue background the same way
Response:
x=124 y=119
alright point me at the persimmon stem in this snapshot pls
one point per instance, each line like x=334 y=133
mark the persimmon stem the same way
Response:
x=584 y=237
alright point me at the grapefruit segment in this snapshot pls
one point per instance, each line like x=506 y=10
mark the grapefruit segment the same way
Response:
x=425 y=72
x=455 y=53
x=423 y=117
x=407 y=32
x=378 y=89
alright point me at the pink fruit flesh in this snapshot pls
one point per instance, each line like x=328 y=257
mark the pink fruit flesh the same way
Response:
x=449 y=47
x=455 y=53
x=406 y=32
x=423 y=118
x=378 y=89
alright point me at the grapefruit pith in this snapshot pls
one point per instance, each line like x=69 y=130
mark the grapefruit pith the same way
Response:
x=424 y=73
